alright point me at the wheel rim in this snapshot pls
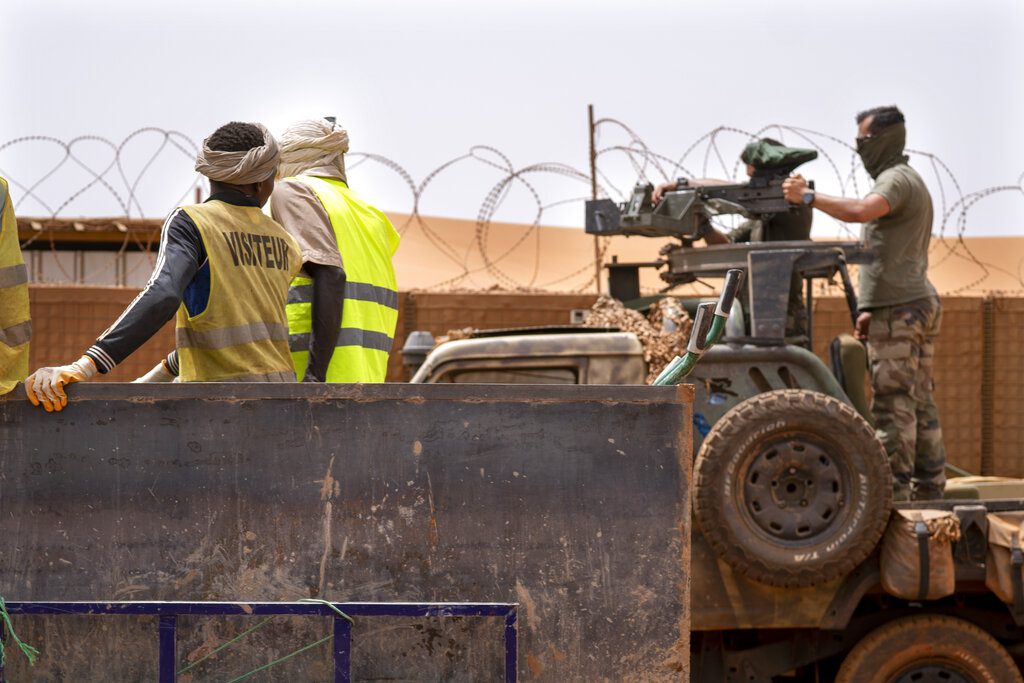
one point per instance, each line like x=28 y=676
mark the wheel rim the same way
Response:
x=932 y=672
x=795 y=489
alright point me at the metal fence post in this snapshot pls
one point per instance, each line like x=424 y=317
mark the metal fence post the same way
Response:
x=342 y=650
x=511 y=647
x=168 y=657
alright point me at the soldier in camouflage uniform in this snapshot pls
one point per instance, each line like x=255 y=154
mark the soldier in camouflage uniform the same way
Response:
x=900 y=312
x=783 y=227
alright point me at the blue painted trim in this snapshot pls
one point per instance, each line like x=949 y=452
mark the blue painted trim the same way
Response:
x=225 y=609
x=169 y=612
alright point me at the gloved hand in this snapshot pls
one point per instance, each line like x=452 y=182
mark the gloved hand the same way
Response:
x=159 y=373
x=46 y=385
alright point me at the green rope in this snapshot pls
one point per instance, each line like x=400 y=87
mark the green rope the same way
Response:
x=30 y=652
x=258 y=626
x=234 y=640
x=332 y=606
x=280 y=659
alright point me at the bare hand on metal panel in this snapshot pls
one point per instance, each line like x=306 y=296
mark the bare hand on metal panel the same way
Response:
x=794 y=187
x=46 y=385
x=860 y=328
x=660 y=190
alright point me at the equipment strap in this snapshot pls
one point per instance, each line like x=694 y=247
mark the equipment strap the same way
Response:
x=1017 y=562
x=923 y=568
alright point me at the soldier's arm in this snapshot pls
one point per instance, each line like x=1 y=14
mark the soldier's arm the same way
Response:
x=846 y=209
x=713 y=236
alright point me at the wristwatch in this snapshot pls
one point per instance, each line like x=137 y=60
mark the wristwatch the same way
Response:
x=682 y=182
x=808 y=197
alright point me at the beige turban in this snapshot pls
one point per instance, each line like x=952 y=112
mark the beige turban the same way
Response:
x=315 y=144
x=240 y=168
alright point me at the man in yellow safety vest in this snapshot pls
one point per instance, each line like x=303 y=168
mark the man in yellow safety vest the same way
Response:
x=223 y=268
x=343 y=306
x=15 y=325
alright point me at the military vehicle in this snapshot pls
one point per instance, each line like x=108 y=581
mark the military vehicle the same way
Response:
x=792 y=490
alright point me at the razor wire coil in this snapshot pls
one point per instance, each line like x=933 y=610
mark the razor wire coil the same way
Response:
x=482 y=264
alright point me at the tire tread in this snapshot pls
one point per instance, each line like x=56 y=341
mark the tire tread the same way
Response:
x=710 y=507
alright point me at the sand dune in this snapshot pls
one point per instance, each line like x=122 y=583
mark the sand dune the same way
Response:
x=454 y=254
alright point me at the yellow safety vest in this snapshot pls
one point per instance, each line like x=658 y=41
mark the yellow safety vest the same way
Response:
x=367 y=241
x=15 y=325
x=242 y=335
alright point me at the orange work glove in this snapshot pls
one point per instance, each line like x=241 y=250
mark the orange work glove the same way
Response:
x=46 y=385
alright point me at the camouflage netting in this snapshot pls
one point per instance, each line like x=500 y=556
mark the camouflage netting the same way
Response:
x=464 y=333
x=663 y=332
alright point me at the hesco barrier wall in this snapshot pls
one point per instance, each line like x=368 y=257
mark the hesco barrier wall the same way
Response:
x=979 y=378
x=571 y=501
x=969 y=372
x=67 y=320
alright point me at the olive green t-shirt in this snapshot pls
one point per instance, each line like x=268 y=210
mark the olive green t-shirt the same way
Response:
x=900 y=239
x=782 y=227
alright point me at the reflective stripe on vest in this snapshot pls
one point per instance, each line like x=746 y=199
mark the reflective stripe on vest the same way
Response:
x=13 y=275
x=242 y=335
x=366 y=240
x=346 y=337
x=231 y=336
x=360 y=291
x=15 y=325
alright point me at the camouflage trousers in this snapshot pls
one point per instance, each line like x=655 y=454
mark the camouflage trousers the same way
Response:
x=901 y=348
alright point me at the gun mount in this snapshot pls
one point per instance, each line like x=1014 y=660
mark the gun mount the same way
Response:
x=686 y=214
x=767 y=265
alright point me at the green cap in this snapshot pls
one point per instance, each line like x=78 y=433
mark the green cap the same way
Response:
x=770 y=156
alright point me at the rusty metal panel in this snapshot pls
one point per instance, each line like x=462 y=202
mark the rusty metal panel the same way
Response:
x=570 y=500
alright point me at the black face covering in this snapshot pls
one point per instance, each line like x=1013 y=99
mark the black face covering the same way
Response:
x=883 y=150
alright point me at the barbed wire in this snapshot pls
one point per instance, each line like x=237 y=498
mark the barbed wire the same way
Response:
x=484 y=263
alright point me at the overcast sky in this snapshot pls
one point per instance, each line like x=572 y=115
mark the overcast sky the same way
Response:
x=422 y=82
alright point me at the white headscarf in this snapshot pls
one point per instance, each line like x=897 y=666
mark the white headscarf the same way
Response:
x=240 y=168
x=313 y=144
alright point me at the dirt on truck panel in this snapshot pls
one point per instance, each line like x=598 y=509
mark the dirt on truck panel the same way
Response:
x=542 y=496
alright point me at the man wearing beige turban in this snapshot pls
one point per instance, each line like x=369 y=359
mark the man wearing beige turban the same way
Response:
x=343 y=306
x=223 y=267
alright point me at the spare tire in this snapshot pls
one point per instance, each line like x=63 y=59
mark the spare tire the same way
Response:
x=792 y=488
